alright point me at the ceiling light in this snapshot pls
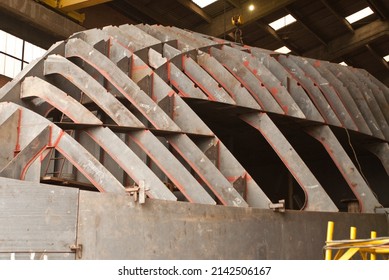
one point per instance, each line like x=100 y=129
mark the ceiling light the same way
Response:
x=359 y=15
x=203 y=3
x=283 y=50
x=343 y=63
x=386 y=58
x=251 y=8
x=282 y=22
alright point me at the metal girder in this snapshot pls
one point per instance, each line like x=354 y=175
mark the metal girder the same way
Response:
x=196 y=9
x=238 y=93
x=265 y=27
x=191 y=154
x=113 y=145
x=316 y=199
x=306 y=25
x=72 y=5
x=377 y=57
x=184 y=146
x=204 y=81
x=344 y=94
x=357 y=95
x=249 y=80
x=97 y=174
x=39 y=18
x=338 y=17
x=272 y=84
x=314 y=93
x=79 y=48
x=183 y=84
x=349 y=42
x=287 y=81
x=19 y=165
x=55 y=64
x=330 y=95
x=376 y=93
x=366 y=198
x=262 y=8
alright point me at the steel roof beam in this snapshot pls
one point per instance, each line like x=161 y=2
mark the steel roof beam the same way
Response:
x=338 y=17
x=349 y=42
x=377 y=57
x=196 y=9
x=40 y=19
x=306 y=26
x=378 y=8
x=262 y=8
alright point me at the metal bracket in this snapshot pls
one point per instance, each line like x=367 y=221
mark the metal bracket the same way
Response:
x=139 y=192
x=77 y=248
x=278 y=207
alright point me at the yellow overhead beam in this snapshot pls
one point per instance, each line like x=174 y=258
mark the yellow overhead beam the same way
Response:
x=69 y=7
x=72 y=5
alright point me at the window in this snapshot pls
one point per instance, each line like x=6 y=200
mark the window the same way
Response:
x=15 y=54
x=359 y=15
x=283 y=50
x=386 y=58
x=203 y=3
x=282 y=22
x=343 y=63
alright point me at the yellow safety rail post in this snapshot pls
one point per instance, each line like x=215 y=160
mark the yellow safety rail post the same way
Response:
x=330 y=233
x=346 y=249
x=373 y=235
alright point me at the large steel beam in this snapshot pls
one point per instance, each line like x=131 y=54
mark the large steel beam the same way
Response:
x=184 y=146
x=316 y=199
x=366 y=198
x=250 y=82
x=42 y=22
x=293 y=87
x=330 y=95
x=55 y=64
x=113 y=145
x=349 y=42
x=88 y=165
x=269 y=81
x=196 y=9
x=218 y=27
x=123 y=117
x=19 y=165
x=344 y=76
x=238 y=93
x=79 y=48
x=344 y=94
x=314 y=93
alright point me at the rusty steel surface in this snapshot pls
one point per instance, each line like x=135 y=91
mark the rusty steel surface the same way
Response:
x=196 y=119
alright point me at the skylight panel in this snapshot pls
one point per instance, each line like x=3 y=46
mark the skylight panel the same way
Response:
x=386 y=58
x=282 y=22
x=203 y=3
x=359 y=15
x=283 y=50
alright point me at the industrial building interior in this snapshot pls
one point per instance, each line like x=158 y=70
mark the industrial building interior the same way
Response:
x=177 y=129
